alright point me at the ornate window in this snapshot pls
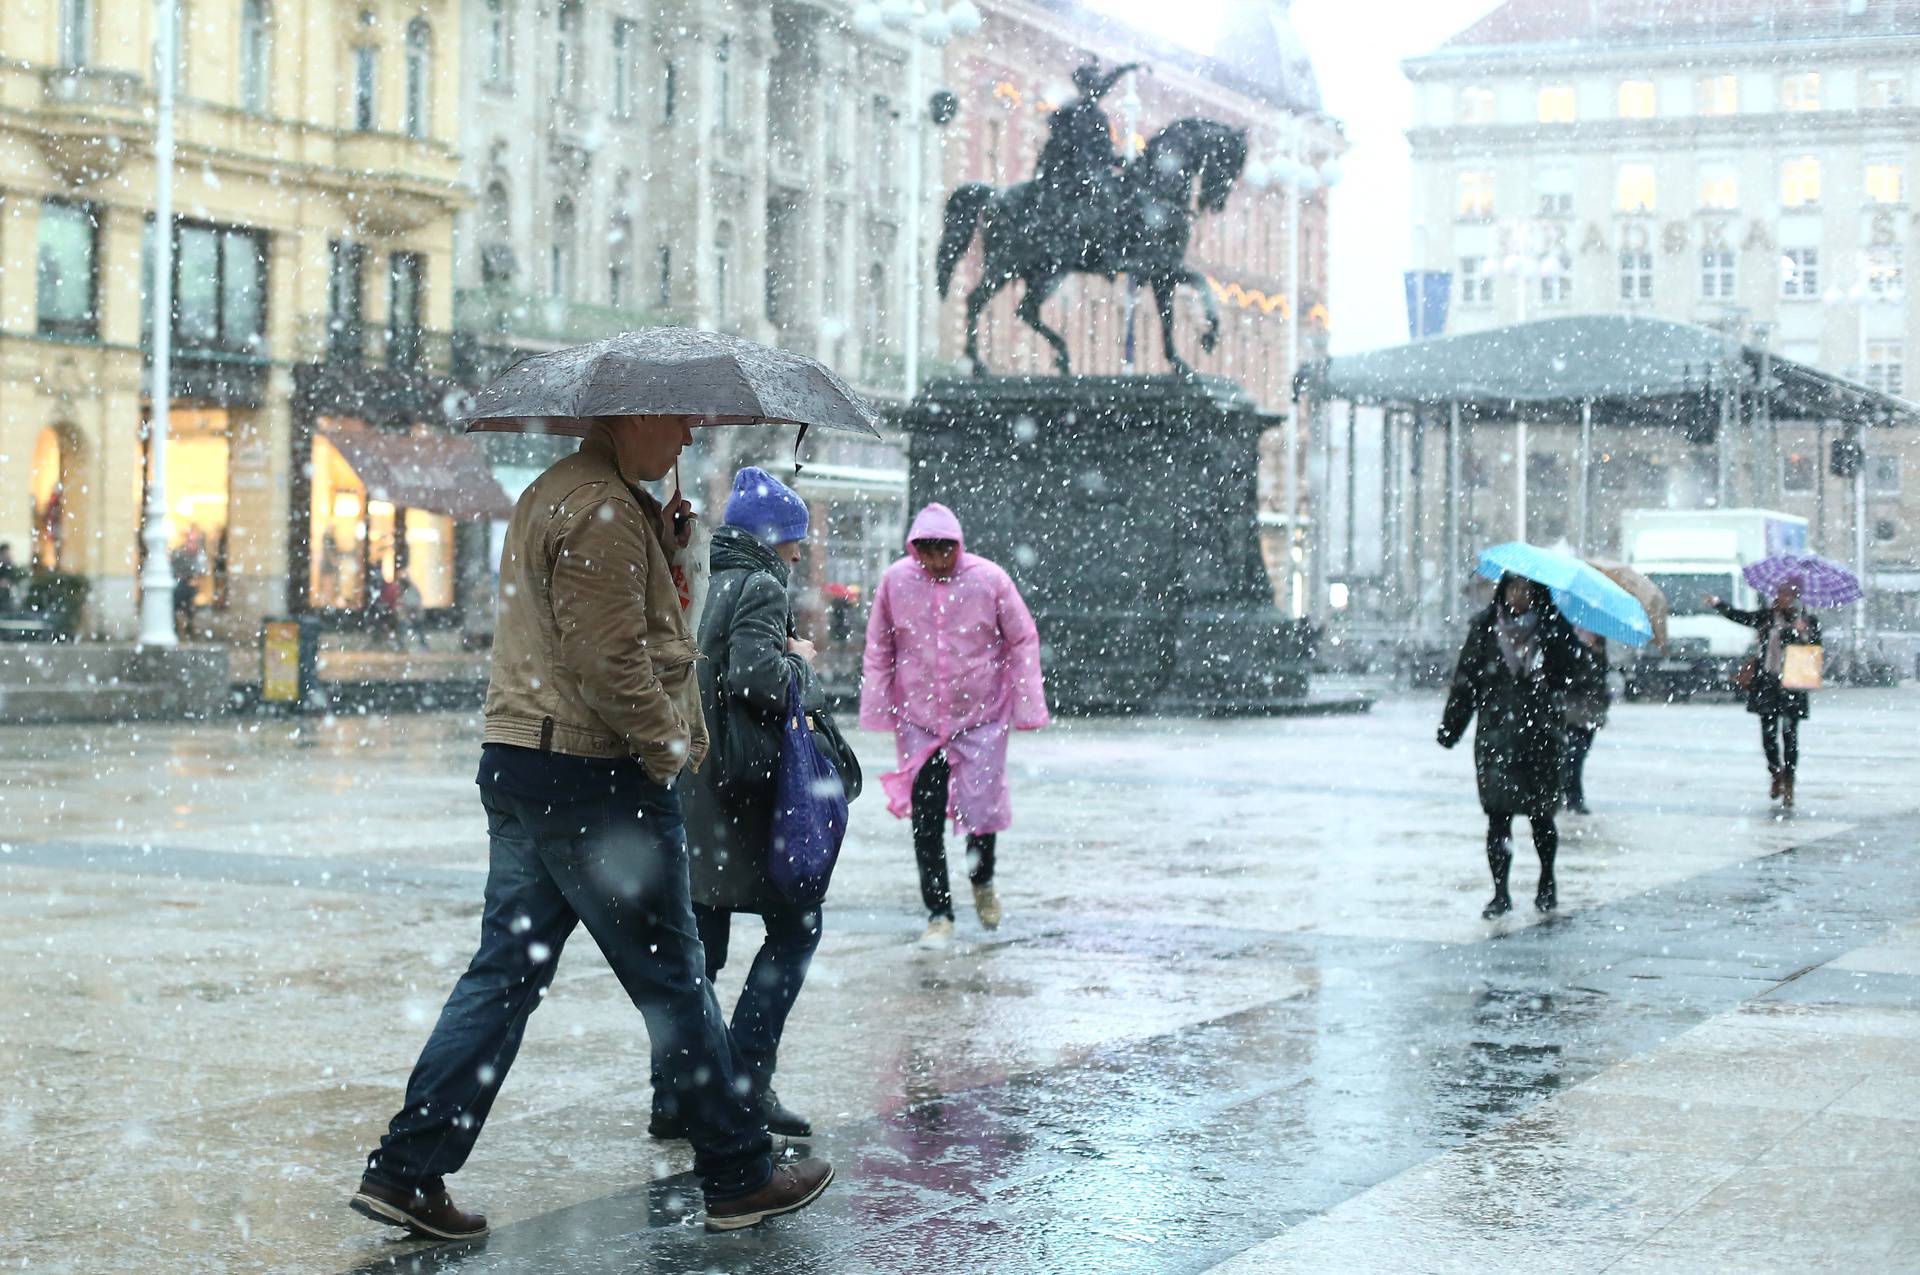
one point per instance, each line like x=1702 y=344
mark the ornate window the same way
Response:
x=76 y=32
x=414 y=120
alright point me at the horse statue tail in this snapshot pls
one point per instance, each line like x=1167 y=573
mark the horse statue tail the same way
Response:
x=964 y=207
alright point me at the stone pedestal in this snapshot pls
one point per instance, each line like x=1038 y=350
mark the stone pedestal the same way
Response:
x=1126 y=510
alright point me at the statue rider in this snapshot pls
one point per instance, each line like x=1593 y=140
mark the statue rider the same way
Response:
x=1079 y=158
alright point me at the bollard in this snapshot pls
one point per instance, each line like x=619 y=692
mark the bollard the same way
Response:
x=289 y=660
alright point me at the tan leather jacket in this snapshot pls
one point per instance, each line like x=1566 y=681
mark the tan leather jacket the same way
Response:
x=591 y=653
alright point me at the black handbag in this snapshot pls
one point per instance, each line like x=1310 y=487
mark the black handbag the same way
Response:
x=826 y=733
x=745 y=744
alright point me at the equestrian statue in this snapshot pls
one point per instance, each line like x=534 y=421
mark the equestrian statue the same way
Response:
x=1089 y=211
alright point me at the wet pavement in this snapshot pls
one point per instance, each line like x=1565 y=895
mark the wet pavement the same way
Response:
x=1243 y=1014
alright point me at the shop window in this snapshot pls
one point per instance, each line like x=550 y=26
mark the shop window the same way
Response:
x=338 y=527
x=430 y=557
x=68 y=271
x=47 y=488
x=199 y=452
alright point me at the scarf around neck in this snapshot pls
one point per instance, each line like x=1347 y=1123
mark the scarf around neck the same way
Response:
x=1519 y=639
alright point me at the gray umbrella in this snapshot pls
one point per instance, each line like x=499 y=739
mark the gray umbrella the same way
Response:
x=667 y=372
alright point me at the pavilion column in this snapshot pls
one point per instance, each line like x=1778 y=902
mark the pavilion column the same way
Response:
x=1584 y=512
x=1452 y=573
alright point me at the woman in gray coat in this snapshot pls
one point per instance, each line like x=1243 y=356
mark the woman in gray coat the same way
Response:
x=746 y=634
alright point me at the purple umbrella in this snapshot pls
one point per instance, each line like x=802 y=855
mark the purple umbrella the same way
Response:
x=1823 y=582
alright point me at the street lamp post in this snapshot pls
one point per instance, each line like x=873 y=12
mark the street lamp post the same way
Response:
x=156 y=532
x=926 y=27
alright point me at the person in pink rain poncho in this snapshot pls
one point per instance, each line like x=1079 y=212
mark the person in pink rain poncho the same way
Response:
x=952 y=668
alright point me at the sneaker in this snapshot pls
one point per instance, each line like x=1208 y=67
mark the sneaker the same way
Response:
x=429 y=1216
x=939 y=934
x=791 y=1188
x=781 y=1119
x=987 y=903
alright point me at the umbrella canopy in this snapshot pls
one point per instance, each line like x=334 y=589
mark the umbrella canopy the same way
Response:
x=667 y=372
x=1823 y=582
x=1648 y=594
x=1586 y=597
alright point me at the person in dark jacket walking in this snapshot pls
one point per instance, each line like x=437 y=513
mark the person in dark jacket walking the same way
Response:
x=1587 y=702
x=746 y=632
x=1514 y=671
x=1780 y=710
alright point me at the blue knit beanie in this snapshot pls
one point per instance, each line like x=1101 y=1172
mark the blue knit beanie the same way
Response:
x=767 y=507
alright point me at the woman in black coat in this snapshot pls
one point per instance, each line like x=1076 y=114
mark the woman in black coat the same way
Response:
x=746 y=635
x=1780 y=710
x=1514 y=672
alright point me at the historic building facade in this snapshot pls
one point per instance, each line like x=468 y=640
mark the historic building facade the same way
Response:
x=316 y=182
x=1742 y=165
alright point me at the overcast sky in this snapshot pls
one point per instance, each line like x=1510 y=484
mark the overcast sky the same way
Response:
x=1357 y=47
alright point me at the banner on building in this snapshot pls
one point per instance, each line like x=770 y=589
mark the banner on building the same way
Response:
x=1427 y=294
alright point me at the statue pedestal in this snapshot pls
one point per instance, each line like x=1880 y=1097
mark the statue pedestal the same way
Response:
x=1126 y=510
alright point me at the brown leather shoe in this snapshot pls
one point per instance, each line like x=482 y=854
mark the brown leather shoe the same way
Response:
x=791 y=1188
x=1775 y=794
x=429 y=1215
x=1786 y=789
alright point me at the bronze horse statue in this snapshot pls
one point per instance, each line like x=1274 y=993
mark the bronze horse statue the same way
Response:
x=1137 y=223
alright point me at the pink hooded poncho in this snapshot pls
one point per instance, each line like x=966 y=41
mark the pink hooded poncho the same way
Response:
x=952 y=666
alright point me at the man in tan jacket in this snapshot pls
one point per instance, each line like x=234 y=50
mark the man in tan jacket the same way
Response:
x=592 y=714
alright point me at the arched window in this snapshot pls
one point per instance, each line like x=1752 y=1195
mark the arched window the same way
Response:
x=496 y=234
x=560 y=257
x=256 y=55
x=76 y=32
x=566 y=49
x=496 y=42
x=419 y=98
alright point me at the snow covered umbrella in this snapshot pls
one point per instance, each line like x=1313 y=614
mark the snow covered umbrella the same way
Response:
x=667 y=372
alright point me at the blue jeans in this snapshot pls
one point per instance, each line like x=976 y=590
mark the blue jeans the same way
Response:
x=773 y=984
x=617 y=862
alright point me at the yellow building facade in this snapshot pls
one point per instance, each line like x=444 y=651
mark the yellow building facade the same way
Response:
x=316 y=182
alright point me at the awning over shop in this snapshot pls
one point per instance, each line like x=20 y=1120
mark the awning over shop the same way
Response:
x=1622 y=361
x=440 y=473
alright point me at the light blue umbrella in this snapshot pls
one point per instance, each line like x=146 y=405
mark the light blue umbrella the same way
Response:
x=1586 y=597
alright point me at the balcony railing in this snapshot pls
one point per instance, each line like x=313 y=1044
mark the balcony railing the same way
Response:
x=351 y=344
x=90 y=88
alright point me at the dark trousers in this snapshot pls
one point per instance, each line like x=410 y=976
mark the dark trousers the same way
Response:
x=773 y=984
x=1573 y=765
x=1546 y=843
x=930 y=839
x=1780 y=737
x=617 y=863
